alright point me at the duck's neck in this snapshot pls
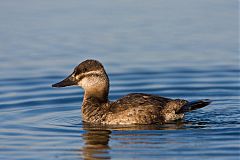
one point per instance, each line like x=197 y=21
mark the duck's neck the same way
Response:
x=94 y=109
x=95 y=102
x=99 y=93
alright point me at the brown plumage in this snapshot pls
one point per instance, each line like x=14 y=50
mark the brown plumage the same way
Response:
x=134 y=108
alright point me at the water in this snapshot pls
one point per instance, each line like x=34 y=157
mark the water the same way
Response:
x=178 y=49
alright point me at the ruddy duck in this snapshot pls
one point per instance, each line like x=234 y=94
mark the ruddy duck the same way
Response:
x=134 y=108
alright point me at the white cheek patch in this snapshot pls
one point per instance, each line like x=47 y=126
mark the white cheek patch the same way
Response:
x=90 y=81
x=84 y=82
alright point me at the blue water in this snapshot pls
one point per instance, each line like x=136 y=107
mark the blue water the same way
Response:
x=178 y=49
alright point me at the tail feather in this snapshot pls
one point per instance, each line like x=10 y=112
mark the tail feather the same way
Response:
x=194 y=105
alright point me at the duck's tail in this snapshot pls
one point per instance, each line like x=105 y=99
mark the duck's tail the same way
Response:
x=190 y=106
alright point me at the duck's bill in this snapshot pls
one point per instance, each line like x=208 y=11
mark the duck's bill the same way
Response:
x=69 y=81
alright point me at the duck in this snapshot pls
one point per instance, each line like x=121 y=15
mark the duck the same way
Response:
x=131 y=109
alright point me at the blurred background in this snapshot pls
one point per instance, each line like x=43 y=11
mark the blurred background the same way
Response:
x=50 y=37
x=180 y=49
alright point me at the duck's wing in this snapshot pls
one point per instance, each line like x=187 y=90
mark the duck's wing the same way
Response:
x=138 y=108
x=138 y=100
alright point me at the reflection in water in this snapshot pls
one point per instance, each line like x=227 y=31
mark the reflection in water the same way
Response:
x=97 y=137
x=96 y=143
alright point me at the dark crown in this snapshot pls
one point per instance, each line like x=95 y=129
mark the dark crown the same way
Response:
x=87 y=66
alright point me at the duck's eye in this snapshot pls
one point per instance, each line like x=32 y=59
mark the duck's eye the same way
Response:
x=84 y=70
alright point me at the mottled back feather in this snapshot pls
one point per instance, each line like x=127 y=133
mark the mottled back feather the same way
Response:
x=134 y=100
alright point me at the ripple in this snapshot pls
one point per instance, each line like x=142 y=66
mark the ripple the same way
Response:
x=43 y=119
x=46 y=120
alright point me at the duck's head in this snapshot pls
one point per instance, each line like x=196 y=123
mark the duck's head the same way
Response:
x=91 y=76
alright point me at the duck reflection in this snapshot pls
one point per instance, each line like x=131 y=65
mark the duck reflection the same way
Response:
x=96 y=137
x=96 y=143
